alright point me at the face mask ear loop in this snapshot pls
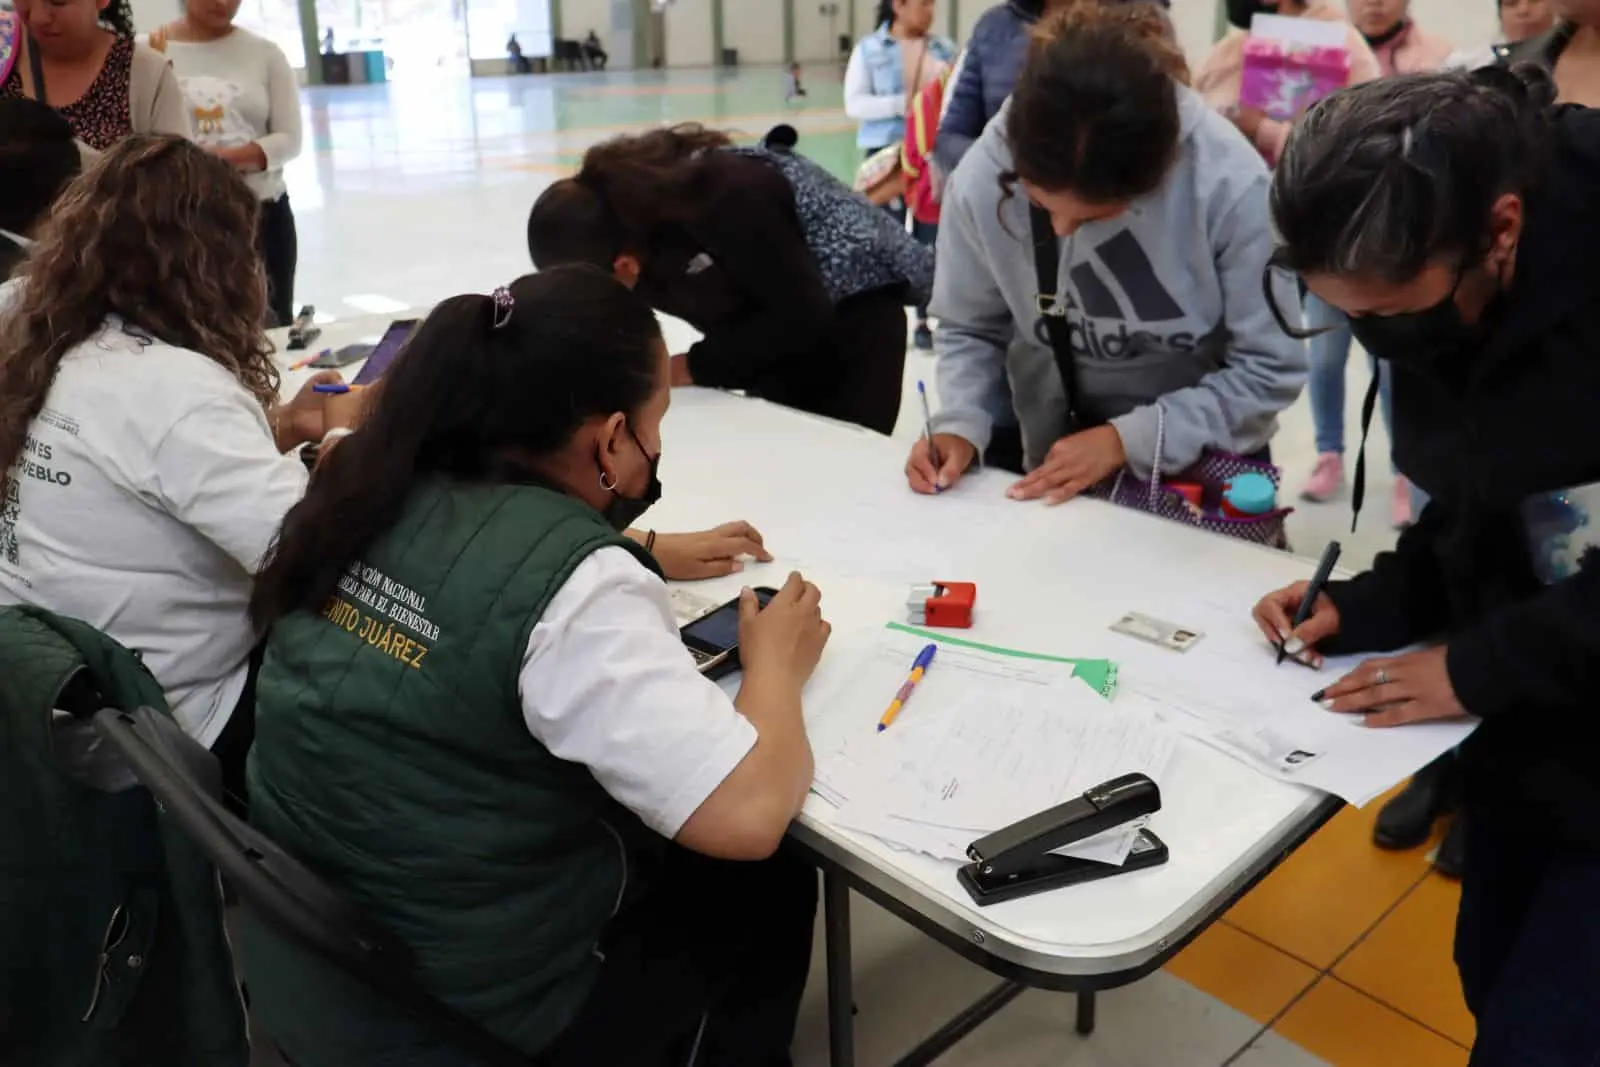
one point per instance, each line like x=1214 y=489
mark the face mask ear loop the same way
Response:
x=1358 y=490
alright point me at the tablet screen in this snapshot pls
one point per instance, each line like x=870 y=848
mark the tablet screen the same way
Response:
x=394 y=339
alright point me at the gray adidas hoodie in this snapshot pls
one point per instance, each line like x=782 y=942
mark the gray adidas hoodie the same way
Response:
x=1164 y=303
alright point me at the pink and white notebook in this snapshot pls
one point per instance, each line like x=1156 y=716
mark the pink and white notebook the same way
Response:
x=1291 y=63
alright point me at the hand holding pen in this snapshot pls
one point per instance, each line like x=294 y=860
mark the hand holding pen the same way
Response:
x=938 y=460
x=1296 y=618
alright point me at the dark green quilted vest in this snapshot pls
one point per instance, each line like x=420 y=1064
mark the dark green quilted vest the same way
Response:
x=392 y=757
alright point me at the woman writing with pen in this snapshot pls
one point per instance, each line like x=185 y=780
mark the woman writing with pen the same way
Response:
x=1470 y=268
x=1154 y=210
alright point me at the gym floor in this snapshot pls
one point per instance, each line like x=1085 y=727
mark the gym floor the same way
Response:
x=416 y=190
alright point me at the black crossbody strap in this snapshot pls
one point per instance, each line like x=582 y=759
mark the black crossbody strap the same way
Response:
x=1047 y=268
x=36 y=70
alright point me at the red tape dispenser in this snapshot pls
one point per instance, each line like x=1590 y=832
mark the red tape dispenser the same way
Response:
x=943 y=604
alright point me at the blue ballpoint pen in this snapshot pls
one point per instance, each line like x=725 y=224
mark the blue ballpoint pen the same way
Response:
x=927 y=428
x=918 y=669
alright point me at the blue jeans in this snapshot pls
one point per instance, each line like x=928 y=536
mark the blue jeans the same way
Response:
x=1528 y=947
x=1329 y=353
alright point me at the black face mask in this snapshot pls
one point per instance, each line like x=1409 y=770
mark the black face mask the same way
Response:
x=623 y=511
x=1240 y=12
x=1417 y=337
x=1410 y=337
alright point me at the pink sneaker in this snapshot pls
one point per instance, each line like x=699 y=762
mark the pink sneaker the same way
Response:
x=1327 y=479
x=1400 y=503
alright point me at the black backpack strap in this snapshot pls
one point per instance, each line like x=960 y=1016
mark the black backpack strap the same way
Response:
x=1047 y=269
x=36 y=69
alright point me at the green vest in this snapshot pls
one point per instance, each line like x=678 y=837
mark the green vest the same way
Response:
x=392 y=757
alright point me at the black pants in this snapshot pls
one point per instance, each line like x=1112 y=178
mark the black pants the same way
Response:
x=232 y=746
x=867 y=348
x=1005 y=449
x=279 y=247
x=713 y=957
x=1528 y=945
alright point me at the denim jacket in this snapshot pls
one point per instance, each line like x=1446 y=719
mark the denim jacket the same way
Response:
x=877 y=55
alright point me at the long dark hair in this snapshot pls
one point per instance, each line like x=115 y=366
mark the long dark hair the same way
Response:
x=627 y=187
x=1383 y=178
x=463 y=394
x=38 y=157
x=118 y=18
x=150 y=233
x=1095 y=111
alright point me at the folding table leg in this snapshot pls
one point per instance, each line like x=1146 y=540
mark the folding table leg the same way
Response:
x=1086 y=1013
x=841 y=995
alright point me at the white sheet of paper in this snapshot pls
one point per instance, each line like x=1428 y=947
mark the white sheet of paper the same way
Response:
x=1229 y=692
x=985 y=741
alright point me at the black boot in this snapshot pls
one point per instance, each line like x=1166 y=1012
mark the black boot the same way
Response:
x=1407 y=820
x=1452 y=850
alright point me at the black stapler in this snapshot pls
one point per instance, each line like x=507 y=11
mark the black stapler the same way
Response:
x=1021 y=859
x=301 y=330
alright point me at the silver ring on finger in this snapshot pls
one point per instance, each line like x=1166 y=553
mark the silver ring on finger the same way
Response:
x=1383 y=677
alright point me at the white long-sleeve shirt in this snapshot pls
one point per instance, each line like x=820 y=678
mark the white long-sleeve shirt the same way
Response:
x=240 y=89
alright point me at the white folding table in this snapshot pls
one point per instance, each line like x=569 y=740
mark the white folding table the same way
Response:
x=1050 y=580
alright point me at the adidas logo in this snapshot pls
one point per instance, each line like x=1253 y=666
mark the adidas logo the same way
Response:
x=1090 y=302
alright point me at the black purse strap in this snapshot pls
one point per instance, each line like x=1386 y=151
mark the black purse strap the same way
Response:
x=1047 y=271
x=36 y=70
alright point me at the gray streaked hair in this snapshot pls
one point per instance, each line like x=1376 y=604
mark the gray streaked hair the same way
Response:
x=1381 y=179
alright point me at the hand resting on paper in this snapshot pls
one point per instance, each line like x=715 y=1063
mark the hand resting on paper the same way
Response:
x=1275 y=616
x=693 y=557
x=956 y=456
x=1396 y=690
x=1077 y=462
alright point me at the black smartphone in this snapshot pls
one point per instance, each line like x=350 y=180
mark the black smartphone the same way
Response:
x=333 y=359
x=713 y=639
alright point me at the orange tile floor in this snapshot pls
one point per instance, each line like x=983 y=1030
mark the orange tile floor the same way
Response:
x=1345 y=951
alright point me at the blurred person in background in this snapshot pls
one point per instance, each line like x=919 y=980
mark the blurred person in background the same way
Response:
x=1520 y=20
x=244 y=99
x=81 y=58
x=887 y=69
x=1569 y=50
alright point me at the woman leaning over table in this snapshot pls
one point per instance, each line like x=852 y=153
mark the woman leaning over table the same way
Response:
x=1148 y=190
x=244 y=101
x=1470 y=269
x=81 y=58
x=798 y=285
x=518 y=768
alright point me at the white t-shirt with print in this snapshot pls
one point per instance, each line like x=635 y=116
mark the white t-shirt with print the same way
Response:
x=147 y=493
x=240 y=89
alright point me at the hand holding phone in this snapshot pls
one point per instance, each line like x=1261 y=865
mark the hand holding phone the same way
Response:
x=786 y=637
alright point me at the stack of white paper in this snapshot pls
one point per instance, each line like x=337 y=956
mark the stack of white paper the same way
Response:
x=986 y=740
x=1229 y=692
